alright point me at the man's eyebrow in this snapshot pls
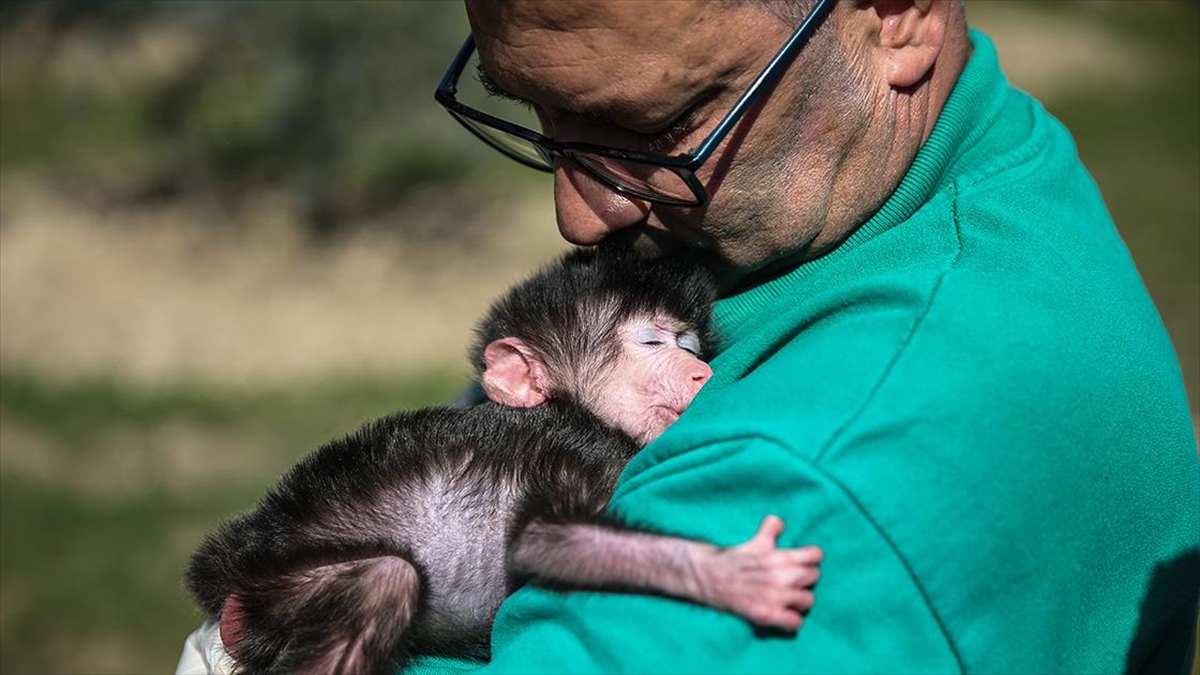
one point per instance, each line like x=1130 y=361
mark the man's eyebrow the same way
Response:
x=663 y=138
x=494 y=89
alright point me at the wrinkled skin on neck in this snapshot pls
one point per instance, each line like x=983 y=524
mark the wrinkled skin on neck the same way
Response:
x=807 y=165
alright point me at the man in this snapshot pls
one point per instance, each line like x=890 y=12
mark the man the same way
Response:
x=939 y=362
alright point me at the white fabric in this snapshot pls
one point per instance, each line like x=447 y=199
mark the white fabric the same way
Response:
x=204 y=653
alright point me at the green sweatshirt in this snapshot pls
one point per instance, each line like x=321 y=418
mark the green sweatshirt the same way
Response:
x=971 y=405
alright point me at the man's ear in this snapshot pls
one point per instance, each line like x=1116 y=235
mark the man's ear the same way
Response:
x=514 y=375
x=910 y=36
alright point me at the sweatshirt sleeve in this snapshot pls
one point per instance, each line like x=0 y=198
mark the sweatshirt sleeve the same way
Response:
x=719 y=492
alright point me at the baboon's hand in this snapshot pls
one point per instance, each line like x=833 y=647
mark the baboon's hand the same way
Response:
x=767 y=585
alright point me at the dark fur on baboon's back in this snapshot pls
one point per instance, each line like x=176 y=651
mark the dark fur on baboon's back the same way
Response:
x=367 y=497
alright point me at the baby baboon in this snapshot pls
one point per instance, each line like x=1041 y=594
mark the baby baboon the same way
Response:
x=406 y=536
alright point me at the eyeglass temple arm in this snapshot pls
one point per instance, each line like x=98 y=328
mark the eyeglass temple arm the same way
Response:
x=771 y=72
x=449 y=81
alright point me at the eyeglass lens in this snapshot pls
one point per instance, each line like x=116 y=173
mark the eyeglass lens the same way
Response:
x=642 y=180
x=518 y=148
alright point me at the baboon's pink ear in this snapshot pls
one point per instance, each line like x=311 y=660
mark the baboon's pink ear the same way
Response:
x=514 y=375
x=232 y=623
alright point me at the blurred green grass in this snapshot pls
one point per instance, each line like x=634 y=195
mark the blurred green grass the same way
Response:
x=95 y=533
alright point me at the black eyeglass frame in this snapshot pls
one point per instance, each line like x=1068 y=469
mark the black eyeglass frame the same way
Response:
x=684 y=165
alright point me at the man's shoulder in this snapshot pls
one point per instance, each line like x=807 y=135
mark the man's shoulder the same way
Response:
x=997 y=414
x=991 y=349
x=1014 y=317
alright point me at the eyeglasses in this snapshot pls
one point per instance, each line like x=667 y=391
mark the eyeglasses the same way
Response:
x=645 y=176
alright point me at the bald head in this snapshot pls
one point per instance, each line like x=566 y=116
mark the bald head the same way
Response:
x=607 y=58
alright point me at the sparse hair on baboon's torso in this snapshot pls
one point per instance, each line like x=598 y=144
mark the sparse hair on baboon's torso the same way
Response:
x=445 y=489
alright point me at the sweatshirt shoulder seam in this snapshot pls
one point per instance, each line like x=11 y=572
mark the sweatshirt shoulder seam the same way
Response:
x=870 y=398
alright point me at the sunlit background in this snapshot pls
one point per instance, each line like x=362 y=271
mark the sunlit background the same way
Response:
x=230 y=231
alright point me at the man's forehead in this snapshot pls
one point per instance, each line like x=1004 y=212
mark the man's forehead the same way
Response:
x=607 y=54
x=571 y=15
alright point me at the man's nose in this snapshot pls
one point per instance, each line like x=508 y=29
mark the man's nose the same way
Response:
x=587 y=209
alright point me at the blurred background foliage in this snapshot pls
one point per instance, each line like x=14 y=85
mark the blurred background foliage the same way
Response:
x=217 y=100
x=232 y=230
